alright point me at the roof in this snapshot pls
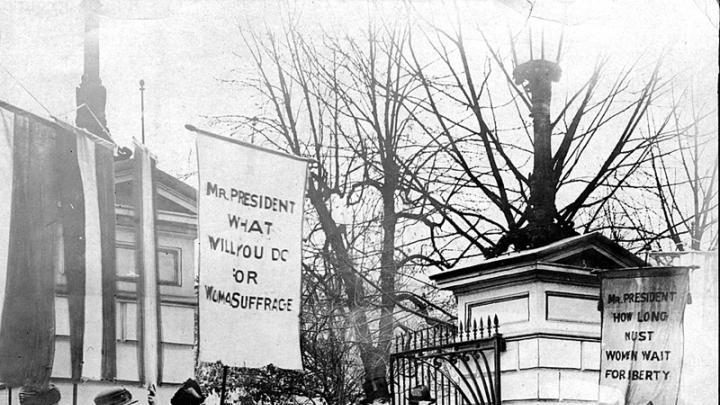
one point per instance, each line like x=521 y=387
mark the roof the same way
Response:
x=175 y=195
x=589 y=250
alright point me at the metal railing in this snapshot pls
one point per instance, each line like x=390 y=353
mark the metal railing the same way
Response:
x=448 y=365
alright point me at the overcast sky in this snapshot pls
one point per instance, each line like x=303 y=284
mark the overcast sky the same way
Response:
x=182 y=49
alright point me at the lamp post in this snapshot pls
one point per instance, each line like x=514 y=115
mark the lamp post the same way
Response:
x=536 y=75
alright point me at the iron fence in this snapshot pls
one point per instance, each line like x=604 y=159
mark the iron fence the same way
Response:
x=448 y=365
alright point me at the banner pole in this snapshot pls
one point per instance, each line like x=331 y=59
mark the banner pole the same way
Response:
x=222 y=389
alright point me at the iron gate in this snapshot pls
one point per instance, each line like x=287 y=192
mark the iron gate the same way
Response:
x=448 y=365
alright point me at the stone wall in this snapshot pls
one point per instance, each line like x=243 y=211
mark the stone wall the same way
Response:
x=553 y=339
x=541 y=369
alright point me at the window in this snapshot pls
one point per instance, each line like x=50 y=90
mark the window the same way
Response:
x=126 y=321
x=125 y=262
x=168 y=261
x=169 y=266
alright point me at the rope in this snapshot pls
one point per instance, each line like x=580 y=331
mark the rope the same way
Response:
x=59 y=121
x=26 y=89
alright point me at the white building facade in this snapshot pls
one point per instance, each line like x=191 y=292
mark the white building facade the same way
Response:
x=176 y=229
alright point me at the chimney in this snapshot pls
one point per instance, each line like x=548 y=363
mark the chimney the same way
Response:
x=91 y=92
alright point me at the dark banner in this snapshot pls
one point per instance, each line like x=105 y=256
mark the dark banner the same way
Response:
x=57 y=217
x=28 y=231
x=642 y=335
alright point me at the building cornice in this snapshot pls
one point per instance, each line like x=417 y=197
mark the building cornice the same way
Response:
x=521 y=274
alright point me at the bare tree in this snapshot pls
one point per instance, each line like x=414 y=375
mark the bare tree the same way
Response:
x=427 y=156
x=685 y=182
x=511 y=170
x=342 y=103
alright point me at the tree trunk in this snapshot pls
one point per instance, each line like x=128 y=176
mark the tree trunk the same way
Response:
x=372 y=359
x=388 y=271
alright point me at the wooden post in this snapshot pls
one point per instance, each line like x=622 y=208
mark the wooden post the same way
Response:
x=222 y=389
x=74 y=393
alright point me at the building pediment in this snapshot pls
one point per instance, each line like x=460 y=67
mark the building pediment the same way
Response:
x=173 y=195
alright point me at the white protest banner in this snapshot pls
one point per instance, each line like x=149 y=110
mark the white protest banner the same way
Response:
x=250 y=229
x=642 y=335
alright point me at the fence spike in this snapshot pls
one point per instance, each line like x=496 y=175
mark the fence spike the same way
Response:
x=419 y=363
